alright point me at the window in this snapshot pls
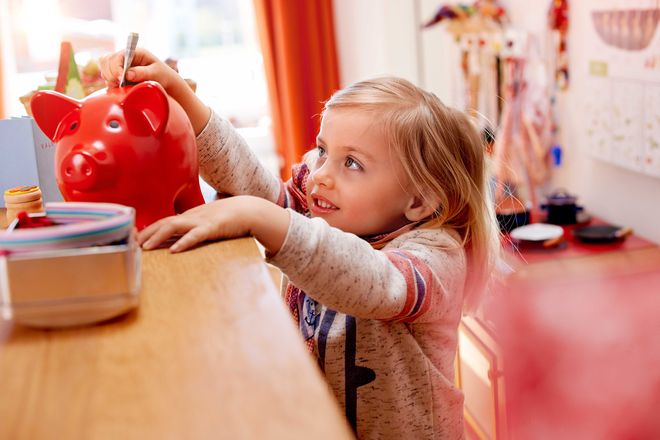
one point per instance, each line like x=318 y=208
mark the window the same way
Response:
x=214 y=41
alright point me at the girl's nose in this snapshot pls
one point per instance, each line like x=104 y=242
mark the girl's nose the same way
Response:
x=323 y=175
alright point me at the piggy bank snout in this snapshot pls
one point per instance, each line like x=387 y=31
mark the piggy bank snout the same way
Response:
x=80 y=170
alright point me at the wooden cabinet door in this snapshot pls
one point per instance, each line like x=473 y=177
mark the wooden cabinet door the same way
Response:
x=479 y=375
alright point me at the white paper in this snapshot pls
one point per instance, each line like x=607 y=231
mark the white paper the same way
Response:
x=27 y=157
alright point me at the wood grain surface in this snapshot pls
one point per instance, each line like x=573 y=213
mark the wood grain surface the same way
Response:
x=211 y=352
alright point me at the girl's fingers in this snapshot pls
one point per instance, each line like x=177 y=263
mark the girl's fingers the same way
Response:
x=112 y=66
x=150 y=230
x=144 y=73
x=107 y=72
x=159 y=236
x=143 y=57
x=191 y=238
x=199 y=208
x=173 y=226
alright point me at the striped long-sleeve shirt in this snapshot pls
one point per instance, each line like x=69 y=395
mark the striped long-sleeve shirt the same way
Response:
x=383 y=319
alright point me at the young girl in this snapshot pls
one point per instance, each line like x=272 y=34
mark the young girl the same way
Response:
x=385 y=233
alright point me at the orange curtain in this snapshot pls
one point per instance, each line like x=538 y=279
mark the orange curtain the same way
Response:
x=298 y=47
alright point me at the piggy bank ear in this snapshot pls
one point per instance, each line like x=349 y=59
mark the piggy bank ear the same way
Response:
x=146 y=109
x=49 y=109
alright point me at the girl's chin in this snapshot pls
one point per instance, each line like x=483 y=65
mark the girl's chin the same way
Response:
x=329 y=219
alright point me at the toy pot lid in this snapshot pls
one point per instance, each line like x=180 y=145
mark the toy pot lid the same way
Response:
x=561 y=198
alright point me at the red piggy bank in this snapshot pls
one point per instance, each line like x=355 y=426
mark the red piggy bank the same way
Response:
x=131 y=145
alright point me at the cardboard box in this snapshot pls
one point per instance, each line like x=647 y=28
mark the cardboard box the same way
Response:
x=27 y=157
x=71 y=286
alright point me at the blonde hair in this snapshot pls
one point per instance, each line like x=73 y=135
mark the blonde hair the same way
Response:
x=443 y=156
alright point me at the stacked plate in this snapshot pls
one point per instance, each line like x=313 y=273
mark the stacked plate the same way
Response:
x=76 y=225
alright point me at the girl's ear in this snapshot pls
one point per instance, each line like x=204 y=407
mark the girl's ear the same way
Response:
x=419 y=209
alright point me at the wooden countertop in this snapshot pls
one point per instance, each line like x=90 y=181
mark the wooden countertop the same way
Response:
x=210 y=353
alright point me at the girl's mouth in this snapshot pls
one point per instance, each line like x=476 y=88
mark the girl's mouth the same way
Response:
x=321 y=205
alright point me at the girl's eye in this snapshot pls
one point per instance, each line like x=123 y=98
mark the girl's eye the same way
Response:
x=321 y=151
x=352 y=164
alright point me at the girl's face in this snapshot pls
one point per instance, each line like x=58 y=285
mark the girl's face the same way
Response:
x=356 y=184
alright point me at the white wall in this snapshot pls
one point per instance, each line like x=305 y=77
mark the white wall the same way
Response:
x=381 y=37
x=375 y=38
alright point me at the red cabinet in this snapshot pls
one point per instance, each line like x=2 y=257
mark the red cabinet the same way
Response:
x=556 y=350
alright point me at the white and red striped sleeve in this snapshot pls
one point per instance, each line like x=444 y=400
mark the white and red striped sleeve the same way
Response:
x=420 y=284
x=418 y=278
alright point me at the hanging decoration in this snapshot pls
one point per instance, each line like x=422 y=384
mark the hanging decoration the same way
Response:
x=520 y=153
x=558 y=27
x=558 y=24
x=476 y=28
x=483 y=14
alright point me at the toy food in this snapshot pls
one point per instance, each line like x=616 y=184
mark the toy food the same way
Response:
x=22 y=199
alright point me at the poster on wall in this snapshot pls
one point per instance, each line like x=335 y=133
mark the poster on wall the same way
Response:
x=622 y=101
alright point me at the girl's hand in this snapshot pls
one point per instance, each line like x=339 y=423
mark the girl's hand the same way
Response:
x=227 y=218
x=146 y=66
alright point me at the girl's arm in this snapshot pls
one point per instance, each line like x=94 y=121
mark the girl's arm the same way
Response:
x=230 y=166
x=420 y=280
